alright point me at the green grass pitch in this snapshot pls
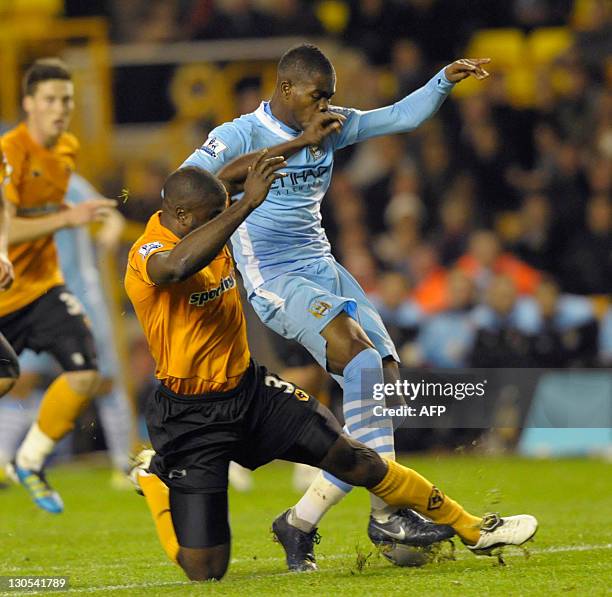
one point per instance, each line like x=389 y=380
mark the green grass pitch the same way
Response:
x=105 y=541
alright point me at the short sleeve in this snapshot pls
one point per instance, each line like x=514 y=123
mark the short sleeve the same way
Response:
x=144 y=252
x=223 y=144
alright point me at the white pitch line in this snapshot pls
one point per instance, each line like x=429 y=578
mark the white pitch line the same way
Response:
x=146 y=585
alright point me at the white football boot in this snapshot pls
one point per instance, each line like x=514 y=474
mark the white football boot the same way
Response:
x=497 y=531
x=140 y=466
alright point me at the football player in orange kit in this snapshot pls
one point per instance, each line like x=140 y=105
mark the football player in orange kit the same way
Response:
x=38 y=311
x=214 y=404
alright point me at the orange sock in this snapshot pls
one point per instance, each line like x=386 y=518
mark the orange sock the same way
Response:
x=403 y=487
x=158 y=500
x=59 y=409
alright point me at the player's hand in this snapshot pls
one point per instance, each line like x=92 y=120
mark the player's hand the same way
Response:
x=92 y=210
x=462 y=69
x=109 y=234
x=7 y=275
x=322 y=125
x=261 y=174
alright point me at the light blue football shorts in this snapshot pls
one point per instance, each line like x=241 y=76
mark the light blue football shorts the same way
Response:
x=299 y=304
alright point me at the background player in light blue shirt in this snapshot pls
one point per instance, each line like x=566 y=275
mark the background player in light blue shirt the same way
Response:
x=292 y=280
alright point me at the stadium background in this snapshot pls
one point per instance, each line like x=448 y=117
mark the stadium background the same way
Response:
x=454 y=230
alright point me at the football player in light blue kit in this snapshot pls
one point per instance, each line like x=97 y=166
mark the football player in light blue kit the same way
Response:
x=292 y=280
x=79 y=266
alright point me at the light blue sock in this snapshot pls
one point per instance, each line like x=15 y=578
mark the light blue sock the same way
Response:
x=356 y=407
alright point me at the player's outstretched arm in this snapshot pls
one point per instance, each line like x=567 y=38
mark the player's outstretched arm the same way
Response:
x=410 y=112
x=323 y=124
x=27 y=229
x=196 y=250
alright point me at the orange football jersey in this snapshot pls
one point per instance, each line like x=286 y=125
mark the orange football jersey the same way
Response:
x=37 y=182
x=195 y=329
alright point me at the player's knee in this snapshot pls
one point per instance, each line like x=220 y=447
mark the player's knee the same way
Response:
x=83 y=382
x=354 y=463
x=208 y=563
x=368 y=467
x=6 y=385
x=345 y=340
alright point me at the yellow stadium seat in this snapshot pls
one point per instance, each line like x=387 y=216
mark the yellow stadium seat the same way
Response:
x=505 y=47
x=468 y=87
x=521 y=86
x=33 y=8
x=547 y=43
x=334 y=15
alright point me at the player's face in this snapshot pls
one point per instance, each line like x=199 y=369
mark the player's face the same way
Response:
x=310 y=96
x=50 y=108
x=208 y=210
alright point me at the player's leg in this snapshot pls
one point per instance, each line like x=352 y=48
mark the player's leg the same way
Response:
x=58 y=327
x=203 y=534
x=157 y=495
x=299 y=307
x=399 y=486
x=193 y=438
x=307 y=306
x=192 y=528
x=386 y=522
x=348 y=343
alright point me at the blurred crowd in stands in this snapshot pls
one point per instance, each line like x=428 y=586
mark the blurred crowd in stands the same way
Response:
x=484 y=237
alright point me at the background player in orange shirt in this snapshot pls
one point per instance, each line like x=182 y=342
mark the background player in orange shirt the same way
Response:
x=38 y=311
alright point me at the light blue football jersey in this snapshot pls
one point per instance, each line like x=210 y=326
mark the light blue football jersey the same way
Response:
x=285 y=232
x=78 y=262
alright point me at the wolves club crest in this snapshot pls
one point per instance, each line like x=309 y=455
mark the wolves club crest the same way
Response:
x=436 y=499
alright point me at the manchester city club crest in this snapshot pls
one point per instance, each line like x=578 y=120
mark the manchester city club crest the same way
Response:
x=315 y=151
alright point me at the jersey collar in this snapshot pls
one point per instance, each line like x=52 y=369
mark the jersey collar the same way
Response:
x=265 y=116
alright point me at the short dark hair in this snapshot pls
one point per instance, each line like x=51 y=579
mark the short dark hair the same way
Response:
x=191 y=186
x=304 y=60
x=44 y=69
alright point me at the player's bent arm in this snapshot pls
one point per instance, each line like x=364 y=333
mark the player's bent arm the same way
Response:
x=233 y=174
x=27 y=229
x=198 y=248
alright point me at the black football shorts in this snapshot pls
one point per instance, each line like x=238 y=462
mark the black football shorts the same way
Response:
x=264 y=418
x=53 y=323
